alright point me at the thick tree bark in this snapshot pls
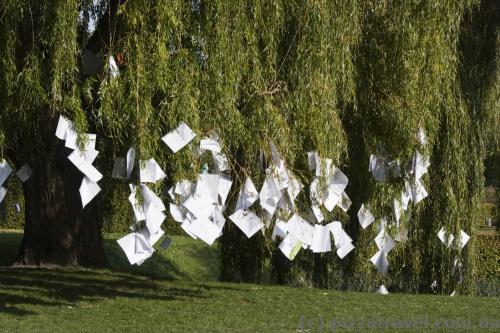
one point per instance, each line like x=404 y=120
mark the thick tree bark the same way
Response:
x=58 y=231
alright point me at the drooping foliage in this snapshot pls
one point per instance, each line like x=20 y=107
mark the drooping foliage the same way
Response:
x=343 y=78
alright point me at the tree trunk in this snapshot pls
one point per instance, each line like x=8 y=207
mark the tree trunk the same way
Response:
x=58 y=231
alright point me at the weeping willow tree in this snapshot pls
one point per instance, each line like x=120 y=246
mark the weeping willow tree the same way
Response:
x=343 y=78
x=40 y=44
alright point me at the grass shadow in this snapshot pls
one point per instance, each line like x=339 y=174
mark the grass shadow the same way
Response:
x=185 y=260
x=21 y=287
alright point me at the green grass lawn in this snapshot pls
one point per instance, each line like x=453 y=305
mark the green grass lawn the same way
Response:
x=186 y=259
x=177 y=291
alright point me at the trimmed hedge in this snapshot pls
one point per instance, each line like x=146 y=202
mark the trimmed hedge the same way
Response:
x=10 y=218
x=487 y=279
x=488 y=261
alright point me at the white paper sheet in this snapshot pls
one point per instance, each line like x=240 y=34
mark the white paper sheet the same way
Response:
x=324 y=167
x=317 y=213
x=171 y=193
x=247 y=221
x=381 y=168
x=179 y=137
x=208 y=187
x=80 y=160
x=221 y=161
x=446 y=238
x=154 y=220
x=218 y=218
x=315 y=194
x=294 y=188
x=397 y=210
x=137 y=207
x=285 y=204
x=184 y=189
x=144 y=241
x=377 y=168
x=88 y=190
x=150 y=199
x=62 y=127
x=275 y=153
x=418 y=192
x=24 y=173
x=224 y=187
x=384 y=241
x=365 y=217
x=290 y=246
x=406 y=196
x=210 y=144
x=3 y=192
x=345 y=202
x=247 y=196
x=321 y=241
x=312 y=156
x=70 y=138
x=178 y=212
x=331 y=199
x=382 y=290
x=345 y=250
x=128 y=245
x=200 y=206
x=372 y=164
x=130 y=161
x=89 y=141
x=462 y=241
x=280 y=229
x=301 y=229
x=186 y=227
x=205 y=230
x=394 y=168
x=401 y=235
x=420 y=165
x=380 y=261
x=5 y=171
x=87 y=155
x=337 y=184
x=269 y=195
x=339 y=181
x=113 y=67
x=421 y=138
x=150 y=171
x=340 y=237
x=153 y=238
x=280 y=174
